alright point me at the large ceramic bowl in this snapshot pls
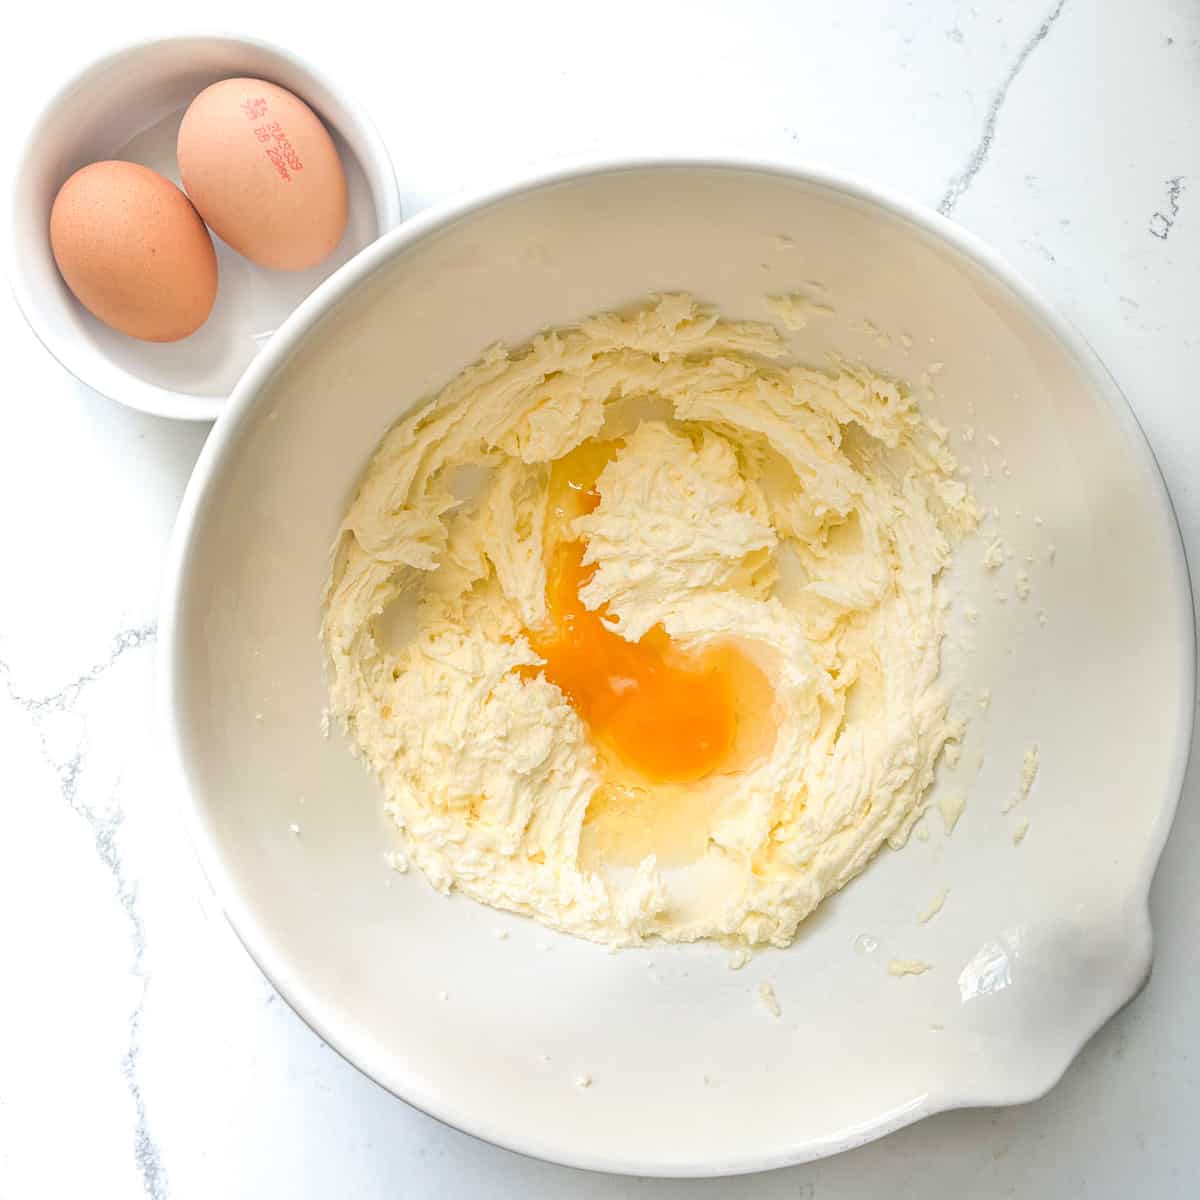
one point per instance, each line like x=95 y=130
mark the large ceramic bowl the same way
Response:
x=1038 y=943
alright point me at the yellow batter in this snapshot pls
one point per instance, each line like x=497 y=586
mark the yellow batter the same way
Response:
x=639 y=626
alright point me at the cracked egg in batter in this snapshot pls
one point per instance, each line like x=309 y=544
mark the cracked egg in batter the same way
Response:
x=639 y=626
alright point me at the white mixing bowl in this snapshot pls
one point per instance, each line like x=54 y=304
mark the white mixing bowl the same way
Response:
x=1037 y=944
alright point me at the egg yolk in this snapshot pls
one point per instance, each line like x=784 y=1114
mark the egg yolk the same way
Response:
x=670 y=715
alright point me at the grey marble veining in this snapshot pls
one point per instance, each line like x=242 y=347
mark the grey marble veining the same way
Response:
x=958 y=185
x=1161 y=223
x=105 y=825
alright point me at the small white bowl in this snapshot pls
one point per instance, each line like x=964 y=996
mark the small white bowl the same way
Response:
x=1038 y=943
x=128 y=106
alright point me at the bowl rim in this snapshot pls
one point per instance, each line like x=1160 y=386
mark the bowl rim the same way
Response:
x=170 y=673
x=138 y=393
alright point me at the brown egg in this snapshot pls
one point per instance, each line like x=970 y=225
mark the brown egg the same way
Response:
x=263 y=171
x=133 y=251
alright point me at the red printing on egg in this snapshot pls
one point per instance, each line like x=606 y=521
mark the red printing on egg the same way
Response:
x=280 y=152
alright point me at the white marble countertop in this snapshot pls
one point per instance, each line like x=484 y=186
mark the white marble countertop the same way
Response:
x=140 y=1049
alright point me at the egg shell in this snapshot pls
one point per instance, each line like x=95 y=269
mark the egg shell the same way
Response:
x=264 y=173
x=133 y=250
